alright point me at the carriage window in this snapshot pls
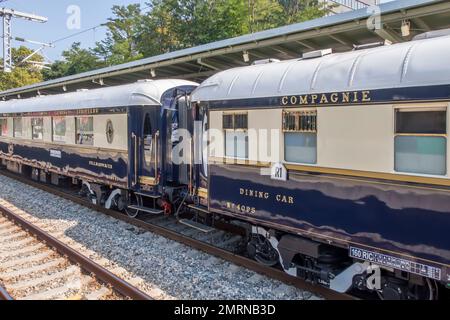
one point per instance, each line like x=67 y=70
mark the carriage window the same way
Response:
x=85 y=130
x=59 y=129
x=300 y=136
x=236 y=137
x=228 y=121
x=17 y=127
x=3 y=127
x=148 y=140
x=421 y=141
x=37 y=128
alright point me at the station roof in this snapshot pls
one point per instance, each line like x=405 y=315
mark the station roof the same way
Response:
x=340 y=32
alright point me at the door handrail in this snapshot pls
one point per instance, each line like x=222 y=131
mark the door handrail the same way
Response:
x=134 y=137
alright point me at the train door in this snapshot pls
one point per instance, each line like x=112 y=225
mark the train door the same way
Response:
x=201 y=153
x=148 y=153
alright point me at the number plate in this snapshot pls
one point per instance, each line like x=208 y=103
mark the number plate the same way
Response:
x=396 y=263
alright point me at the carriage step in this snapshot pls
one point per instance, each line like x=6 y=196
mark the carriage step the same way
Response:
x=153 y=196
x=197 y=226
x=198 y=208
x=145 y=209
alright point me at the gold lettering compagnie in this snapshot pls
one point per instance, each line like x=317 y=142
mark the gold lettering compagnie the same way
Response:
x=327 y=98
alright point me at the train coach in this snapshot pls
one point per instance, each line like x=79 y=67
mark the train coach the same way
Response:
x=356 y=192
x=335 y=164
x=106 y=140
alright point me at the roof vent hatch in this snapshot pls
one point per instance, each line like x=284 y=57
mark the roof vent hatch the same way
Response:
x=265 y=61
x=317 y=53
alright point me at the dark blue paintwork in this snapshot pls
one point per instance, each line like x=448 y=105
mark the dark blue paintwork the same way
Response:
x=402 y=219
x=109 y=167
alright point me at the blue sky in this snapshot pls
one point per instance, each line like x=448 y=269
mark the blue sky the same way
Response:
x=93 y=12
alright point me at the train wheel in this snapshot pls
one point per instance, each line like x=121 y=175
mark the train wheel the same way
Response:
x=393 y=289
x=134 y=200
x=260 y=248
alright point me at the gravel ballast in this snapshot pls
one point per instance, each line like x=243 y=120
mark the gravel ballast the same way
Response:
x=162 y=268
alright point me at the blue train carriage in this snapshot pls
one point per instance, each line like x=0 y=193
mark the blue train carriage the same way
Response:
x=105 y=140
x=354 y=173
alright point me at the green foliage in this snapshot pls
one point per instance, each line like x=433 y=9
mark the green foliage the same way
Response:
x=121 y=40
x=23 y=73
x=168 y=25
x=76 y=60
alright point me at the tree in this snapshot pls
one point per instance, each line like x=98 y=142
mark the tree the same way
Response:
x=76 y=60
x=121 y=40
x=23 y=73
x=175 y=24
x=264 y=14
x=303 y=10
x=171 y=25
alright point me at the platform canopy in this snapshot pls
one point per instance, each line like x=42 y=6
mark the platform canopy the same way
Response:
x=339 y=32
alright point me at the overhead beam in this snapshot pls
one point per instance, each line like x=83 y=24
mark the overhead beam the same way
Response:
x=307 y=44
x=342 y=40
x=203 y=74
x=211 y=65
x=421 y=24
x=236 y=59
x=387 y=34
x=285 y=51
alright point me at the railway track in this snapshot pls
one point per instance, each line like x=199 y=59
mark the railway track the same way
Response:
x=36 y=266
x=219 y=243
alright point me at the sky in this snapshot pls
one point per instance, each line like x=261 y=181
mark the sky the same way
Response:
x=92 y=13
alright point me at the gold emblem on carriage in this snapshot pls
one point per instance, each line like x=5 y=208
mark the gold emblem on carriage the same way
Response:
x=109 y=131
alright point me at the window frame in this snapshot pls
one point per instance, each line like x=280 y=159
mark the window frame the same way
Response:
x=234 y=129
x=33 y=126
x=5 y=120
x=14 y=127
x=421 y=108
x=297 y=114
x=65 y=131
x=77 y=133
x=314 y=130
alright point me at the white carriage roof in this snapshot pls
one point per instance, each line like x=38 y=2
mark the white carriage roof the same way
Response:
x=136 y=94
x=415 y=63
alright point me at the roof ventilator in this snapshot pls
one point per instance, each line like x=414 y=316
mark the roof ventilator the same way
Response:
x=144 y=80
x=371 y=45
x=432 y=34
x=317 y=54
x=265 y=61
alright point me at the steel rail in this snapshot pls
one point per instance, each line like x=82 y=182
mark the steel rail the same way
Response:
x=196 y=244
x=4 y=295
x=85 y=263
